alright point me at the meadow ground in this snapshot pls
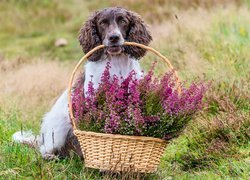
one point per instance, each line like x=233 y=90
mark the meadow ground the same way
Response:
x=203 y=39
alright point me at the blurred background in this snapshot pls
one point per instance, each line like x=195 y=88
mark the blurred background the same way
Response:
x=207 y=39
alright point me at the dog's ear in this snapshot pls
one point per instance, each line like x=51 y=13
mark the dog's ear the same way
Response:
x=139 y=33
x=89 y=37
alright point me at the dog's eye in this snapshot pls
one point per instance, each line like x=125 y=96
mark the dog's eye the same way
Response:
x=103 y=22
x=123 y=22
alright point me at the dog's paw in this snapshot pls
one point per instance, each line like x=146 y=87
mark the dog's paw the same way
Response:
x=50 y=157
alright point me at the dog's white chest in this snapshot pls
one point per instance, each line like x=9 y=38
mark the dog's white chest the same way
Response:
x=121 y=66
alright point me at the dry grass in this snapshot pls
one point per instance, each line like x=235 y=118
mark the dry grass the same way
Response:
x=155 y=11
x=32 y=83
x=172 y=33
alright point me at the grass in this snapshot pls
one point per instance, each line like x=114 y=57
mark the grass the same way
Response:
x=203 y=40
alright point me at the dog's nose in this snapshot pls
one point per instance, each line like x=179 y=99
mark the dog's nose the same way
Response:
x=114 y=38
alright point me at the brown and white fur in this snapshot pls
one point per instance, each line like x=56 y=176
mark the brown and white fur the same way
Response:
x=111 y=27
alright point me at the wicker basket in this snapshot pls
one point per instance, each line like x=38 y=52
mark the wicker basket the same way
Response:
x=118 y=152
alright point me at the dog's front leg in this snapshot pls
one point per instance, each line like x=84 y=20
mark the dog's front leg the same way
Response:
x=55 y=128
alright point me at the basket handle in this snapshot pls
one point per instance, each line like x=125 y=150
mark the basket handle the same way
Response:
x=102 y=46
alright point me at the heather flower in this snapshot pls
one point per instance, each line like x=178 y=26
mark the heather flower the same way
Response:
x=112 y=123
x=78 y=102
x=149 y=106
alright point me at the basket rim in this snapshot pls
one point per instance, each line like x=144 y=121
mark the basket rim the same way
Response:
x=119 y=136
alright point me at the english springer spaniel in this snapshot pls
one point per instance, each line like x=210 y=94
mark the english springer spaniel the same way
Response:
x=111 y=27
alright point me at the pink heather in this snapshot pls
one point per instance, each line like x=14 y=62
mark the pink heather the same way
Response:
x=148 y=107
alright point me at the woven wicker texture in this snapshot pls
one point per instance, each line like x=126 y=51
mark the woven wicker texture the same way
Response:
x=119 y=152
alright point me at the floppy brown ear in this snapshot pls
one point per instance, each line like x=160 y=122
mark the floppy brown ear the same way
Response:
x=138 y=33
x=89 y=37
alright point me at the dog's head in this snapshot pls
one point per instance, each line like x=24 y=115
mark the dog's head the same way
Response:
x=112 y=27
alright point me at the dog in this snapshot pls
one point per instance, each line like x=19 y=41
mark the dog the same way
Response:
x=110 y=27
